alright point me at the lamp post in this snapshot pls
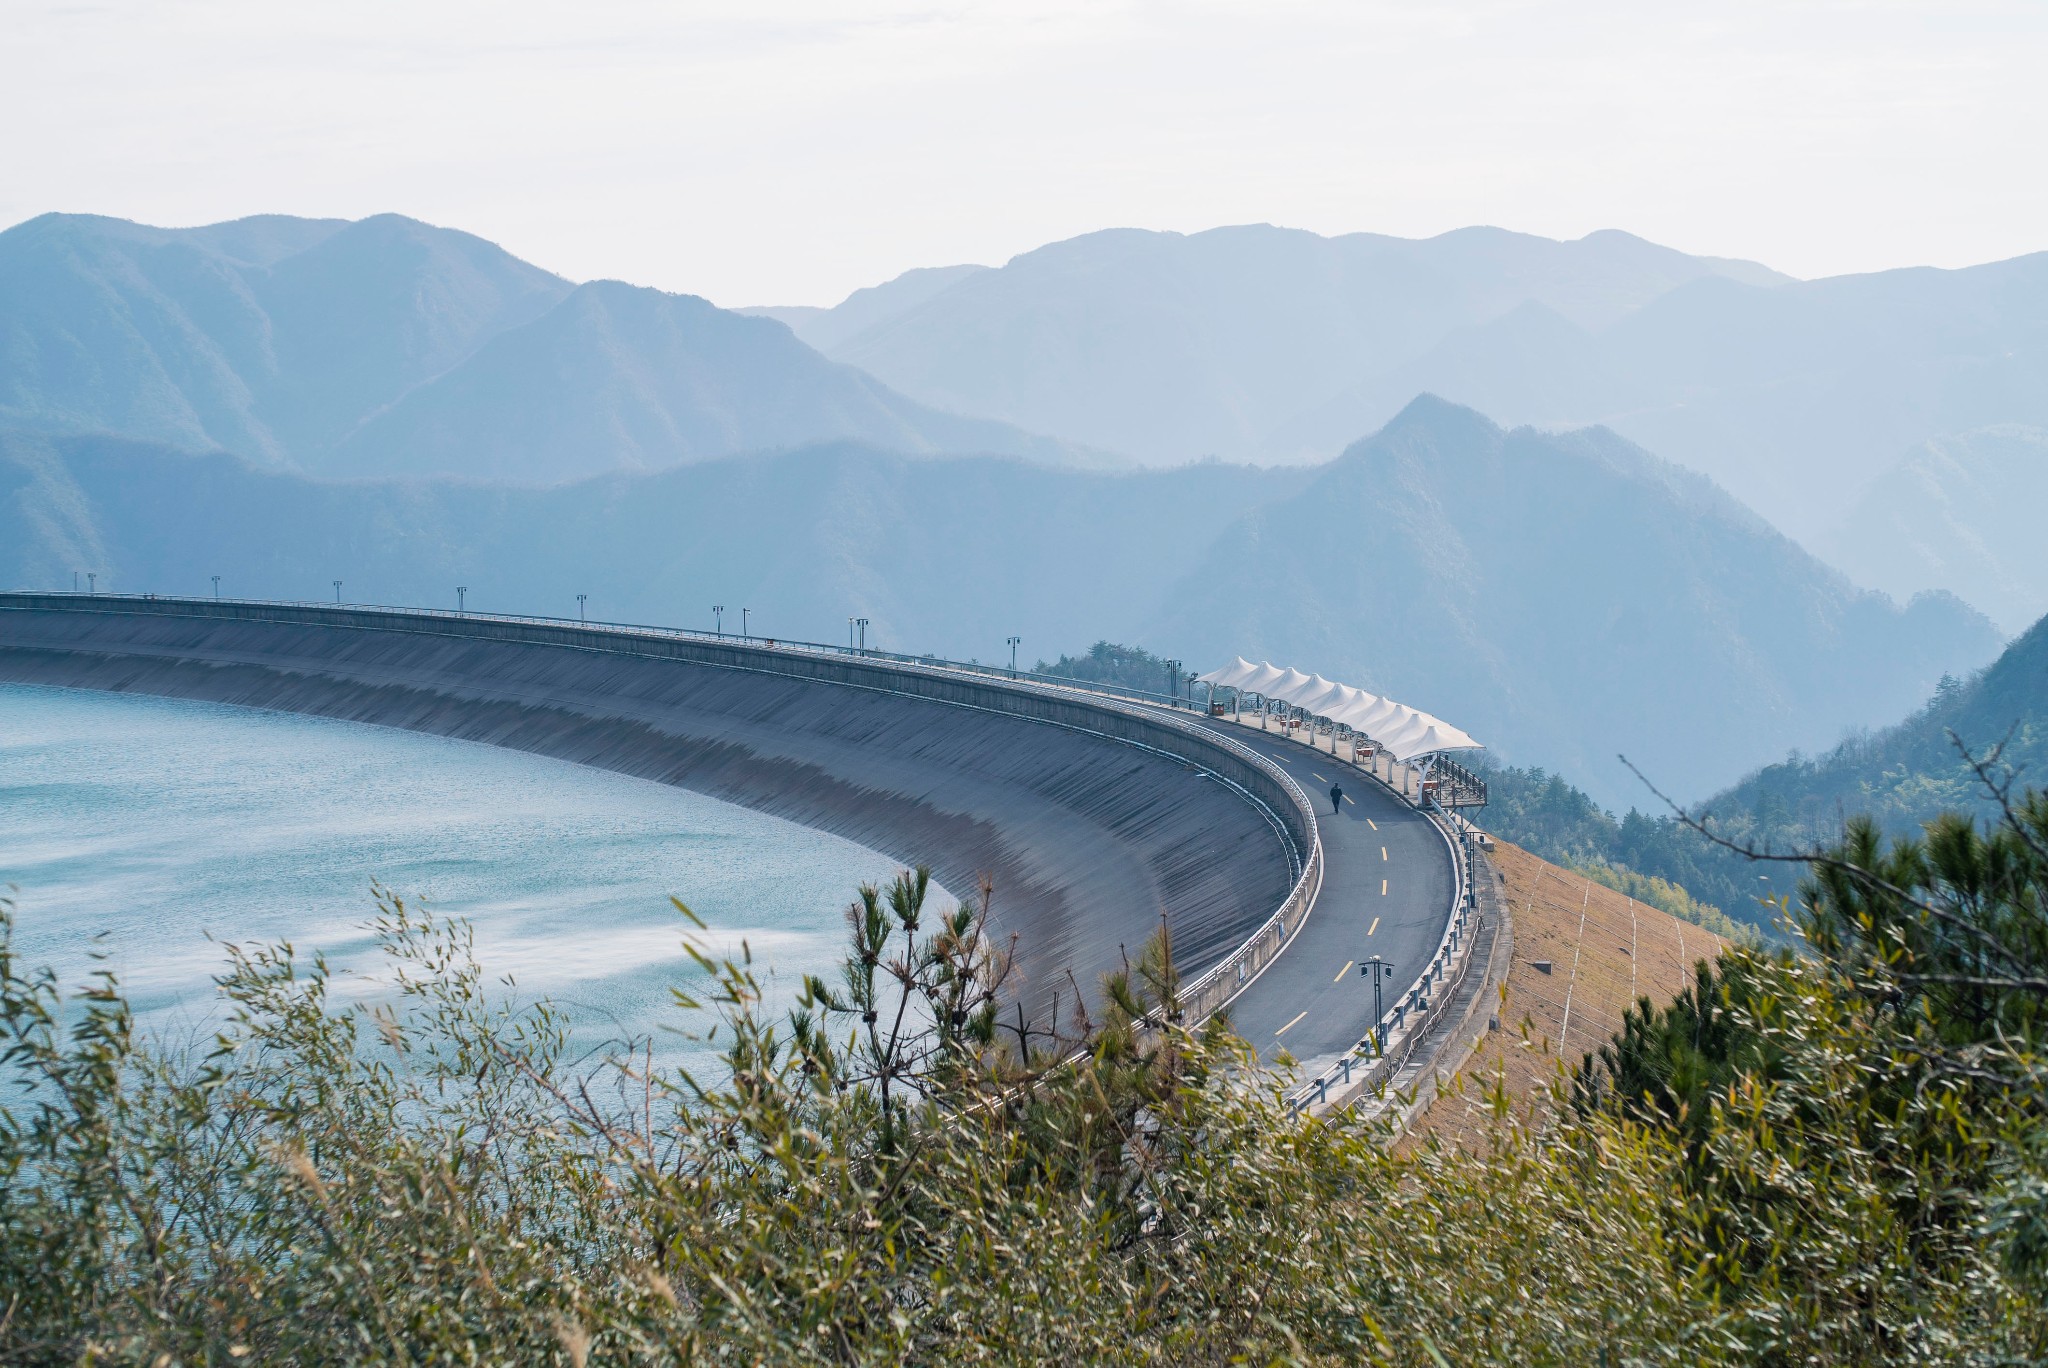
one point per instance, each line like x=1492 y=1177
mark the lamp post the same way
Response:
x=92 y=581
x=862 y=624
x=1173 y=677
x=1377 y=967
x=849 y=633
x=337 y=591
x=1014 y=642
x=579 y=606
x=718 y=619
x=216 y=588
x=745 y=631
x=461 y=599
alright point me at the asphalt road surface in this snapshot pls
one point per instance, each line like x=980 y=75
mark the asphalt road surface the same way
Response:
x=1386 y=891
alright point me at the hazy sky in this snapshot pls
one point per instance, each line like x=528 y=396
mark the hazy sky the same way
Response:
x=789 y=152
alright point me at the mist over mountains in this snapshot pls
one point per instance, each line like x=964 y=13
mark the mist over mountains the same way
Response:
x=1265 y=344
x=285 y=402
x=1964 y=511
x=388 y=346
x=1171 y=347
x=1562 y=596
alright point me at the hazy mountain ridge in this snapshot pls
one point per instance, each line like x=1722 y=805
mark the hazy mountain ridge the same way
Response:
x=1567 y=597
x=1264 y=344
x=1562 y=597
x=826 y=328
x=1793 y=396
x=1903 y=776
x=617 y=377
x=268 y=337
x=1170 y=346
x=354 y=347
x=1963 y=512
x=1906 y=773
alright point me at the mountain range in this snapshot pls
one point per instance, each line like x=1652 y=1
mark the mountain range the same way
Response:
x=1272 y=345
x=1962 y=511
x=388 y=346
x=1170 y=347
x=1902 y=775
x=1562 y=596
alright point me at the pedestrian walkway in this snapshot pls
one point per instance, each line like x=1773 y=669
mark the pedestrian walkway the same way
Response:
x=1387 y=885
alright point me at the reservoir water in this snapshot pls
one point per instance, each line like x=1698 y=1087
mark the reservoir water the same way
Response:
x=136 y=827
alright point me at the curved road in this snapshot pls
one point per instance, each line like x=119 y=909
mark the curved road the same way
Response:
x=1387 y=885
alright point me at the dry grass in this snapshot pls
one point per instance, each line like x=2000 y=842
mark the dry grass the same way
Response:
x=1605 y=950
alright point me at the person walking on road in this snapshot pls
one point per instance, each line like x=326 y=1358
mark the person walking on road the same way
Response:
x=1336 y=799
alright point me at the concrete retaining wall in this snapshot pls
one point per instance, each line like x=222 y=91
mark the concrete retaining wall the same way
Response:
x=1091 y=819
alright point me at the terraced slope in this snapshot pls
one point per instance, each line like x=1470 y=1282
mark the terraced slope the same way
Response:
x=1604 y=951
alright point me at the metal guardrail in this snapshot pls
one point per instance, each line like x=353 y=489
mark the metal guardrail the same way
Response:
x=1265 y=785
x=1428 y=997
x=1219 y=987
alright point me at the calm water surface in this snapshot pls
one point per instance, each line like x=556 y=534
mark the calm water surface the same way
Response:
x=137 y=827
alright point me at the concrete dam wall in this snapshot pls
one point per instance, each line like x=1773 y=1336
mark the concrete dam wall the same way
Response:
x=1092 y=819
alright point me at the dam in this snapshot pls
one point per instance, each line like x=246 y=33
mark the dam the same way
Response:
x=1094 y=822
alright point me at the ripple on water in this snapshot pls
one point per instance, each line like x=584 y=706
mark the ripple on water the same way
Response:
x=136 y=827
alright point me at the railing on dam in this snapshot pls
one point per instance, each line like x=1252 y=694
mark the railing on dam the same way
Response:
x=1394 y=1039
x=1116 y=715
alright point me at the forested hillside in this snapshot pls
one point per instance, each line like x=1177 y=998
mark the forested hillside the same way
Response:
x=1902 y=777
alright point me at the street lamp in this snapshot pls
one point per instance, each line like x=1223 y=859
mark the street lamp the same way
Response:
x=337 y=591
x=461 y=599
x=1013 y=655
x=1173 y=677
x=1378 y=967
x=579 y=606
x=718 y=619
x=744 y=632
x=92 y=581
x=216 y=588
x=862 y=623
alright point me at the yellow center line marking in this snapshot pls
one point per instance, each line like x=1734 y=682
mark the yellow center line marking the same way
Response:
x=1319 y=778
x=1289 y=1026
x=1383 y=852
x=1383 y=888
x=1342 y=972
x=1354 y=802
x=1374 y=927
x=1371 y=823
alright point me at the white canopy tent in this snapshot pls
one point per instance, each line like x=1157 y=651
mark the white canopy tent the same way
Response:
x=1402 y=732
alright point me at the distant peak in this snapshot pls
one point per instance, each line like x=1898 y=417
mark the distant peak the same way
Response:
x=1437 y=414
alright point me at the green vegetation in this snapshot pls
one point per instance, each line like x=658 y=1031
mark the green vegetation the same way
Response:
x=1904 y=775
x=1901 y=778
x=1129 y=667
x=1655 y=860
x=1829 y=1158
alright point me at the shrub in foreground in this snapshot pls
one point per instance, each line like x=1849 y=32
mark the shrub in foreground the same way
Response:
x=1825 y=1159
